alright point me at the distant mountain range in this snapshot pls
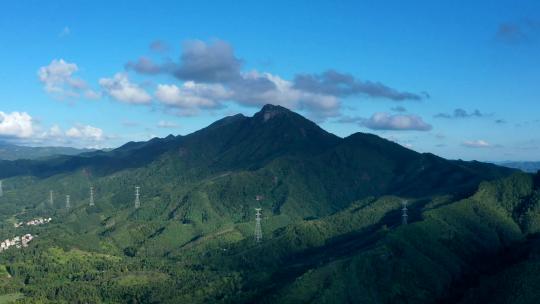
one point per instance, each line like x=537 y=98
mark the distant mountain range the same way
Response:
x=332 y=220
x=13 y=152
x=525 y=166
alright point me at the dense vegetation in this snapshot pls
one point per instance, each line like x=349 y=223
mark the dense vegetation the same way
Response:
x=12 y=152
x=332 y=221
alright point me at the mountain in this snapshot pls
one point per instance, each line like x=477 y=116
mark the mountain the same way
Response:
x=531 y=167
x=276 y=153
x=331 y=218
x=13 y=152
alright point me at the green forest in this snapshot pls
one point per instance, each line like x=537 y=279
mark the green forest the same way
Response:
x=332 y=222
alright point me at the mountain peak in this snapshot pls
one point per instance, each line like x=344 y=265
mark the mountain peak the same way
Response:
x=271 y=107
x=270 y=111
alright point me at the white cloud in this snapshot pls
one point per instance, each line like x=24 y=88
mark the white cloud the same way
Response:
x=257 y=89
x=79 y=135
x=477 y=144
x=57 y=74
x=21 y=128
x=58 y=79
x=85 y=132
x=216 y=63
x=254 y=89
x=16 y=124
x=120 y=88
x=192 y=95
x=55 y=131
x=385 y=121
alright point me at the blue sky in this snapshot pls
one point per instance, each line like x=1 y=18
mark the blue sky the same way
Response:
x=454 y=78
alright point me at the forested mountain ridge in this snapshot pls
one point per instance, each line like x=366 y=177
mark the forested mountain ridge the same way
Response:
x=276 y=153
x=327 y=202
x=525 y=166
x=243 y=143
x=13 y=152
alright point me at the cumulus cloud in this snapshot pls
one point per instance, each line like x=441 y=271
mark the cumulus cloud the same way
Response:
x=460 y=113
x=79 y=135
x=385 y=121
x=476 y=144
x=343 y=85
x=144 y=66
x=120 y=88
x=202 y=62
x=257 y=89
x=254 y=89
x=191 y=95
x=21 y=128
x=54 y=131
x=199 y=62
x=203 y=65
x=58 y=79
x=16 y=125
x=86 y=132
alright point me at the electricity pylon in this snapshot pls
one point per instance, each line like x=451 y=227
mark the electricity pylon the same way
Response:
x=404 y=215
x=137 y=197
x=91 y=196
x=258 y=230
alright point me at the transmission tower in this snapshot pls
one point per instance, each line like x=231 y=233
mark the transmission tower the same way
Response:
x=68 y=203
x=51 y=199
x=258 y=230
x=404 y=215
x=1 y=190
x=91 y=196
x=137 y=196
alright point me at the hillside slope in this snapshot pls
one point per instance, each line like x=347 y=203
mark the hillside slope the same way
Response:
x=451 y=250
x=210 y=179
x=14 y=152
x=327 y=202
